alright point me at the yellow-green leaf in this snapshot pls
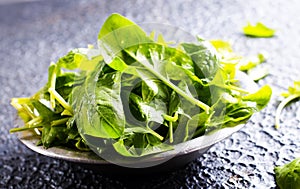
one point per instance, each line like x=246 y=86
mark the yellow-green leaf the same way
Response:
x=258 y=30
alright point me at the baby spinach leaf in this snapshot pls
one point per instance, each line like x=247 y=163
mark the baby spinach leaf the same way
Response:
x=258 y=30
x=147 y=111
x=261 y=97
x=80 y=58
x=104 y=106
x=205 y=63
x=149 y=90
x=288 y=175
x=123 y=149
x=197 y=125
x=117 y=34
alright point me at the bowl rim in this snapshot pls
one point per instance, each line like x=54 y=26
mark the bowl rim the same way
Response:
x=30 y=139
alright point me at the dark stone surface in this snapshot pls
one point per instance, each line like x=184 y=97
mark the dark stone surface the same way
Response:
x=33 y=34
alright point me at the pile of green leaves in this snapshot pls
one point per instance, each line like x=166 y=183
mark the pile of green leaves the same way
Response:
x=137 y=95
x=49 y=112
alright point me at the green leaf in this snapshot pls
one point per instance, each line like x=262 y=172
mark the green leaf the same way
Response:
x=70 y=61
x=80 y=58
x=231 y=61
x=127 y=151
x=102 y=103
x=293 y=90
x=47 y=114
x=222 y=46
x=261 y=97
x=121 y=149
x=149 y=90
x=205 y=62
x=147 y=111
x=288 y=175
x=196 y=126
x=233 y=115
x=258 y=30
x=52 y=136
x=118 y=64
x=117 y=34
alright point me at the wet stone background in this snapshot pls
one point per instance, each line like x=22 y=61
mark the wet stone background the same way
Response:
x=34 y=33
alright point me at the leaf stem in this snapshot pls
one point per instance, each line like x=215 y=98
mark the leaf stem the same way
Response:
x=16 y=104
x=155 y=134
x=171 y=131
x=28 y=110
x=59 y=122
x=34 y=123
x=52 y=86
x=281 y=107
x=60 y=99
x=171 y=118
x=14 y=130
x=183 y=94
x=172 y=86
x=21 y=104
x=232 y=87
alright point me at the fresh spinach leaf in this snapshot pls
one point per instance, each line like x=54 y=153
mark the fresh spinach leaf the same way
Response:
x=288 y=175
x=204 y=61
x=261 y=97
x=258 y=30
